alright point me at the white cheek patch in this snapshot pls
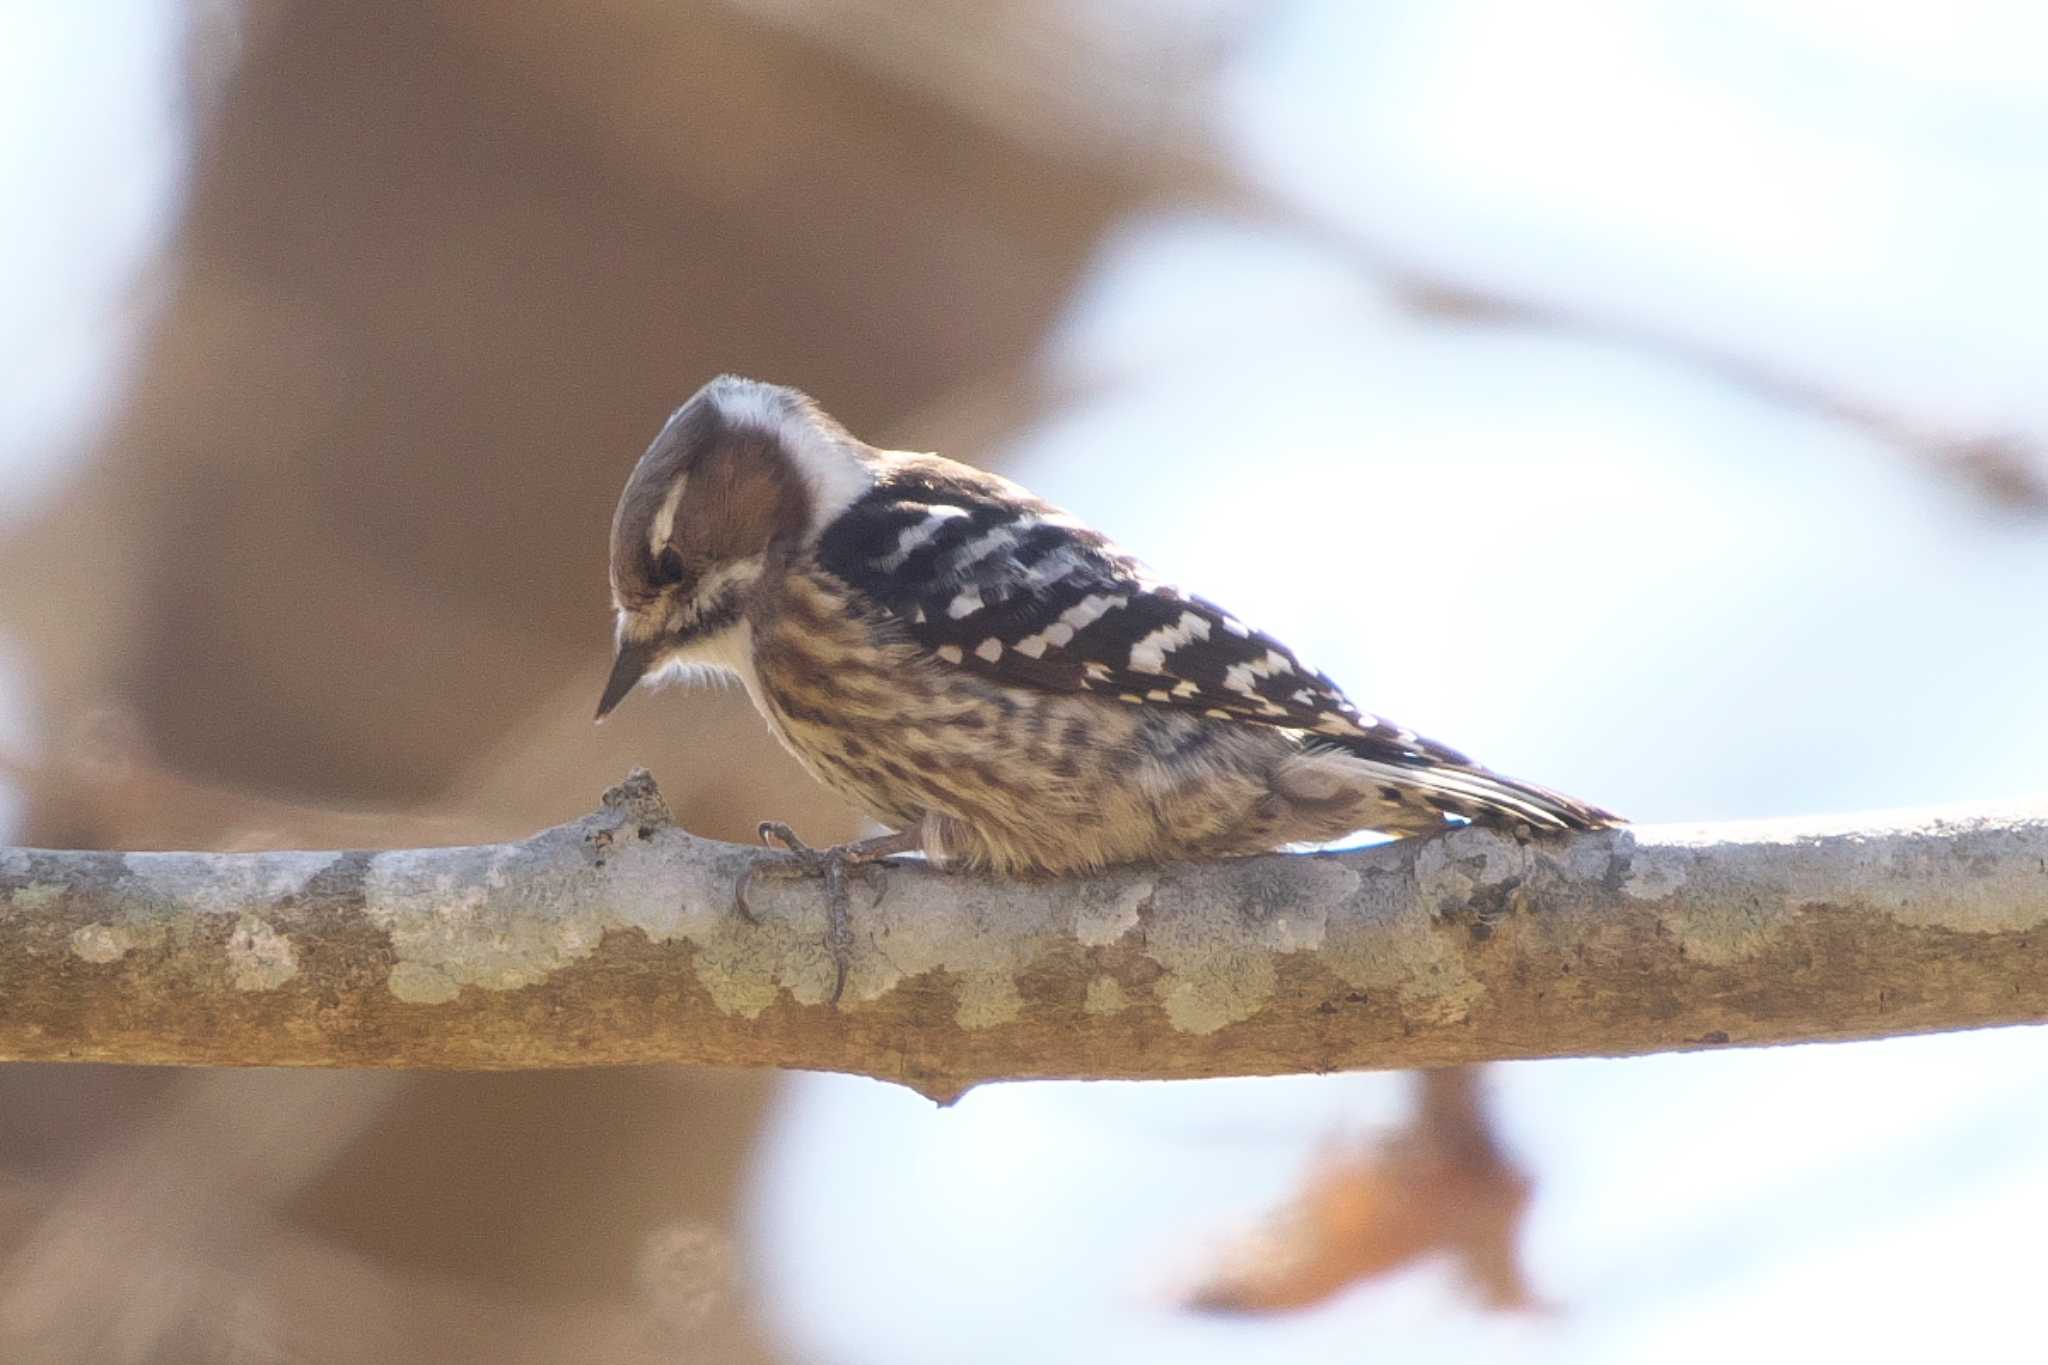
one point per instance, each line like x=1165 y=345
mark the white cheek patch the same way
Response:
x=837 y=468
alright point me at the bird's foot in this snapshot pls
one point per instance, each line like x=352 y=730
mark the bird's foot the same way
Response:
x=861 y=858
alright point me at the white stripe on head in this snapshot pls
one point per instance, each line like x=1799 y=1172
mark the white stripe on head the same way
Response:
x=836 y=467
x=665 y=516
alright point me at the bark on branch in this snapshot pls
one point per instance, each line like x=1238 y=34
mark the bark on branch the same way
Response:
x=614 y=940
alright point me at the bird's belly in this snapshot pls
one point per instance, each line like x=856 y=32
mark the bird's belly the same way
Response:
x=1021 y=780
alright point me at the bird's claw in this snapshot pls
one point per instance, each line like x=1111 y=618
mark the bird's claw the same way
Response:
x=775 y=832
x=830 y=865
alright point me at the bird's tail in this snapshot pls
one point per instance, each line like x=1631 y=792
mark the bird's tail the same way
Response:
x=1415 y=796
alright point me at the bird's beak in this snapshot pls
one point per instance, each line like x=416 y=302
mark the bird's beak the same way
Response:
x=634 y=659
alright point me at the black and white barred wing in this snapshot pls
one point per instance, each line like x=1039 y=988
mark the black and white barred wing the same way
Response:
x=994 y=581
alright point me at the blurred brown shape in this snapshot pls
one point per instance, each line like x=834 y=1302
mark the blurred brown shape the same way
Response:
x=101 y=784
x=2008 y=471
x=446 y=269
x=337 y=569
x=1440 y=1186
x=188 y=1235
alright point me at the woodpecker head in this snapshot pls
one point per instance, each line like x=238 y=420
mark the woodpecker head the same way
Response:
x=743 y=475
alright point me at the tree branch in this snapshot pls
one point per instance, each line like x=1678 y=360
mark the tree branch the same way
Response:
x=614 y=939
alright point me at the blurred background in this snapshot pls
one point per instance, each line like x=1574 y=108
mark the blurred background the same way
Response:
x=1646 y=397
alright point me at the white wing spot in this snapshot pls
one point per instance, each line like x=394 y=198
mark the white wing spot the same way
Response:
x=1053 y=567
x=1089 y=610
x=1149 y=654
x=951 y=653
x=1236 y=627
x=990 y=649
x=982 y=546
x=911 y=537
x=966 y=603
x=1244 y=677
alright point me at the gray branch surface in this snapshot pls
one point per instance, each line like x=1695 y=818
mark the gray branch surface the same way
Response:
x=614 y=940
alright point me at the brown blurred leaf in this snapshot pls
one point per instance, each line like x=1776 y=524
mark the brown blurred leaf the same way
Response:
x=1439 y=1186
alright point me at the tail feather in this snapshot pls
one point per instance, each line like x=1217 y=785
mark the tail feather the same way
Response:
x=1416 y=797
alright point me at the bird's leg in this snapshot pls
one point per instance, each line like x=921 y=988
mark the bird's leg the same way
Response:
x=832 y=865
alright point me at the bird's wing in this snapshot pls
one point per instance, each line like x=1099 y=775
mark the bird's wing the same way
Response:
x=990 y=579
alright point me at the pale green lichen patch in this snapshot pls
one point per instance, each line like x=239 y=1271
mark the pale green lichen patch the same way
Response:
x=102 y=943
x=1723 y=930
x=1406 y=932
x=988 y=1001
x=36 y=897
x=1228 y=922
x=418 y=984
x=209 y=884
x=1967 y=876
x=259 y=957
x=1452 y=869
x=982 y=933
x=1985 y=881
x=1100 y=920
x=506 y=917
x=1654 y=874
x=499 y=917
x=1105 y=996
x=746 y=967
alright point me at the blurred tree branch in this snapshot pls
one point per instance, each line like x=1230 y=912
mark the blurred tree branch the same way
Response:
x=614 y=939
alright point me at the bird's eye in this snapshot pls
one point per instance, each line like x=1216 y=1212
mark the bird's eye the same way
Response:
x=668 y=568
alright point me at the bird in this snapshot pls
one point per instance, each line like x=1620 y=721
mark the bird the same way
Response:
x=998 y=684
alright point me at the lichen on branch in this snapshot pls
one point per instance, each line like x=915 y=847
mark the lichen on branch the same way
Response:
x=615 y=939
